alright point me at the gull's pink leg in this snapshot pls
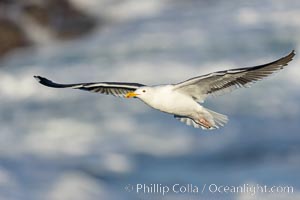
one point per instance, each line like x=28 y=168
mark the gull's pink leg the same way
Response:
x=204 y=122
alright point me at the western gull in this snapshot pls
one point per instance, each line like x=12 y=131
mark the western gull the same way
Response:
x=183 y=99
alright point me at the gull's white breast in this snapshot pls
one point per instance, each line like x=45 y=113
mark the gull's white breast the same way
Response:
x=165 y=99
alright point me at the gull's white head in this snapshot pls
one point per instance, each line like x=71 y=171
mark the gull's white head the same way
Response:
x=141 y=93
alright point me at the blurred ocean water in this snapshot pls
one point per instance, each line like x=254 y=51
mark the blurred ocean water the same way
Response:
x=67 y=144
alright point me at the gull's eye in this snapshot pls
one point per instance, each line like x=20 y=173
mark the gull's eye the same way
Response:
x=144 y=91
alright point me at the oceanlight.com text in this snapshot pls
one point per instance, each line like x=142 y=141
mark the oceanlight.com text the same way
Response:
x=164 y=189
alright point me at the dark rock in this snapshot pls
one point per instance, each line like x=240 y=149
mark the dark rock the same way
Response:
x=61 y=17
x=11 y=36
x=58 y=16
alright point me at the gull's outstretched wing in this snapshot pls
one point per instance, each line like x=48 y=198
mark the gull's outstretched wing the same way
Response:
x=225 y=81
x=112 y=88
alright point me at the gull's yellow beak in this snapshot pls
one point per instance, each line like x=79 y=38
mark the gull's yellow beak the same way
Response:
x=130 y=95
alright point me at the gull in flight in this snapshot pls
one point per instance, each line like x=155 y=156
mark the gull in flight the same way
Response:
x=183 y=99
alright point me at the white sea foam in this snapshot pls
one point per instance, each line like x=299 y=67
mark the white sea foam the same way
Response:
x=69 y=127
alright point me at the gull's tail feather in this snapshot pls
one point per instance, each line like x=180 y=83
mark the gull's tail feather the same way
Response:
x=219 y=119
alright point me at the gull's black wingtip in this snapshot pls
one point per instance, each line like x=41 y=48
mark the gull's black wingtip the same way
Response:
x=293 y=52
x=49 y=83
x=41 y=80
x=38 y=78
x=290 y=56
x=44 y=81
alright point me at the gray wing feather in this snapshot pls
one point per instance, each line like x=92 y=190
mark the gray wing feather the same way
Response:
x=225 y=81
x=110 y=88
